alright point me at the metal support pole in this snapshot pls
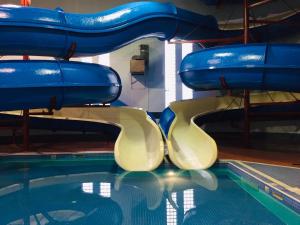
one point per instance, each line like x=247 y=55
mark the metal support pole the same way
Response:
x=246 y=22
x=25 y=2
x=25 y=112
x=26 y=130
x=246 y=118
x=246 y=92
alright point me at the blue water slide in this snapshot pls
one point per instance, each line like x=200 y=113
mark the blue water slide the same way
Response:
x=165 y=121
x=60 y=34
x=255 y=67
x=39 y=84
x=37 y=31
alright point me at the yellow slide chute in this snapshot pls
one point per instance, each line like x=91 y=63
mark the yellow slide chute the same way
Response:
x=189 y=146
x=139 y=146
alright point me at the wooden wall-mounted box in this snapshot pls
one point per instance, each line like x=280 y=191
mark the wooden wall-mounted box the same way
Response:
x=137 y=66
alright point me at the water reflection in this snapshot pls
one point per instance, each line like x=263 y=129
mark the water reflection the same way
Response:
x=94 y=196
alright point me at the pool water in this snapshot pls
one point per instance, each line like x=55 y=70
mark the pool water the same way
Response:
x=97 y=191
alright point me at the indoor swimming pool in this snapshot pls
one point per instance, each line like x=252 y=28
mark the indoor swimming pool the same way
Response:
x=154 y=112
x=94 y=190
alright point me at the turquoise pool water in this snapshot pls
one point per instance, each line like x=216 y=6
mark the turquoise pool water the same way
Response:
x=79 y=191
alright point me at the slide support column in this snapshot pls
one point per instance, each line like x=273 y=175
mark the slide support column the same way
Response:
x=25 y=112
x=246 y=92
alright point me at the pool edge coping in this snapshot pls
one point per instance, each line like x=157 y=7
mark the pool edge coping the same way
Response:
x=269 y=187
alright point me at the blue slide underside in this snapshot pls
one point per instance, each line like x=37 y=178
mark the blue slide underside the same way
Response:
x=39 y=84
x=255 y=67
x=56 y=33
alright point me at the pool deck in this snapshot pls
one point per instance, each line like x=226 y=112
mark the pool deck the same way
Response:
x=77 y=147
x=280 y=158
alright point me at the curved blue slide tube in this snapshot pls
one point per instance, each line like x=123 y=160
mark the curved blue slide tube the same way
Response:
x=165 y=121
x=59 y=34
x=255 y=67
x=46 y=84
x=55 y=33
